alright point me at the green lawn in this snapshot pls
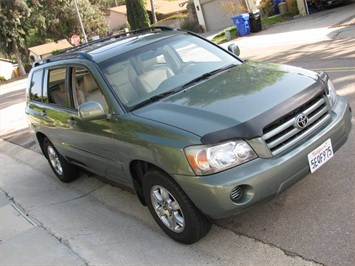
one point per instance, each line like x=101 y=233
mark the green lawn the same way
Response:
x=221 y=37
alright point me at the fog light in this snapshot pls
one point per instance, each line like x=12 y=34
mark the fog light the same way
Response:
x=236 y=193
x=242 y=194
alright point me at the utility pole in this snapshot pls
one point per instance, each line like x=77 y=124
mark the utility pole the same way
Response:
x=81 y=23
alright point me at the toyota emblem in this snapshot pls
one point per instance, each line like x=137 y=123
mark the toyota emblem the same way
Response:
x=301 y=121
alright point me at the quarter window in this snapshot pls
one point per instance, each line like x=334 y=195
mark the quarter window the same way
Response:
x=36 y=86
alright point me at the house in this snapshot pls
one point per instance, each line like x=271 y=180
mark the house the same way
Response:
x=214 y=15
x=117 y=18
x=163 y=8
x=6 y=69
x=44 y=50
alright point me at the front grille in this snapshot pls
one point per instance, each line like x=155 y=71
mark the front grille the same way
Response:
x=283 y=133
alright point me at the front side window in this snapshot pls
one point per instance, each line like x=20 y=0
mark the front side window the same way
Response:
x=57 y=92
x=85 y=88
x=36 y=86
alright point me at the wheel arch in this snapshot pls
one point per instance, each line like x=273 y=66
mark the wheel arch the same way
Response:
x=138 y=169
x=40 y=138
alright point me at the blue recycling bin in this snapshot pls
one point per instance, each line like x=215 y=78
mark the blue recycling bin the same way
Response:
x=242 y=23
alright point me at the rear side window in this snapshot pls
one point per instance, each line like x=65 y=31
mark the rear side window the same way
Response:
x=57 y=92
x=36 y=86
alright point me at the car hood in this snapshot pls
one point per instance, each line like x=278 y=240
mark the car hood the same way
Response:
x=237 y=103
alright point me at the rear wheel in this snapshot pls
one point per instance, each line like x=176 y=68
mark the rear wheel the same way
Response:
x=174 y=212
x=65 y=171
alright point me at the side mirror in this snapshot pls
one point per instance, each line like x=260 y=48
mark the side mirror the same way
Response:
x=234 y=49
x=91 y=111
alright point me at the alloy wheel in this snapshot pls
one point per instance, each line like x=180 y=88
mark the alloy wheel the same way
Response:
x=54 y=160
x=167 y=209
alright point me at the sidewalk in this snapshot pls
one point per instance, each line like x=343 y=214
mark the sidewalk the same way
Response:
x=23 y=241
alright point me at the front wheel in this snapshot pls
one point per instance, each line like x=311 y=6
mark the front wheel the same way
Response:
x=172 y=209
x=65 y=171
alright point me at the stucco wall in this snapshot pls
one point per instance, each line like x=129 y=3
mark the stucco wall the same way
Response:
x=116 y=20
x=6 y=70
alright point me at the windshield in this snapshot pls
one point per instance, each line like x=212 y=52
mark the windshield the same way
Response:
x=162 y=67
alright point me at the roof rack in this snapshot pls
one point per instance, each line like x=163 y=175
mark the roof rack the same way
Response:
x=120 y=35
x=72 y=52
x=61 y=56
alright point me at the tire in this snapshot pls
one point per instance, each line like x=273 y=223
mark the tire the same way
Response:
x=173 y=211
x=65 y=171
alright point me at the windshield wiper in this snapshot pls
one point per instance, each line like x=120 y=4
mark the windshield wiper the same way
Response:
x=154 y=98
x=206 y=76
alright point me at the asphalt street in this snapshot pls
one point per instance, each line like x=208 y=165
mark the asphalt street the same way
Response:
x=91 y=222
x=315 y=218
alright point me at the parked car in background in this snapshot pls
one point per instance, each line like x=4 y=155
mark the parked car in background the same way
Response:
x=197 y=132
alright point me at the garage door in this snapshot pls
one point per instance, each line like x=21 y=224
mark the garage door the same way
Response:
x=216 y=17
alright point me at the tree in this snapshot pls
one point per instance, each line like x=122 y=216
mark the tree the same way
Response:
x=61 y=20
x=14 y=18
x=26 y=23
x=137 y=15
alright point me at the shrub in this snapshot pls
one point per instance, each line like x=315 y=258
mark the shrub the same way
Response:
x=178 y=16
x=234 y=8
x=191 y=25
x=267 y=8
x=292 y=7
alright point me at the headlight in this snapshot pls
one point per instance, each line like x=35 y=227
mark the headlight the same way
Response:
x=332 y=95
x=206 y=160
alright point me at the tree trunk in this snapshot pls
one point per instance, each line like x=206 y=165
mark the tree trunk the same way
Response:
x=154 y=17
x=18 y=59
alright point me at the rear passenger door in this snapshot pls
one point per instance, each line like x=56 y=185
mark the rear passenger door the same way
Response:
x=54 y=110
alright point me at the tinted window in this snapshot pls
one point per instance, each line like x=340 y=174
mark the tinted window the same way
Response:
x=162 y=66
x=85 y=88
x=36 y=86
x=57 y=92
x=195 y=52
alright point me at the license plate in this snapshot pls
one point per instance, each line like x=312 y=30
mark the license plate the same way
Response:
x=320 y=155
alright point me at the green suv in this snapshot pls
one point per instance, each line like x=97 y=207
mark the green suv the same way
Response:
x=198 y=133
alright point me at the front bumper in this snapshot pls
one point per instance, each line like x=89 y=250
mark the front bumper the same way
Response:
x=263 y=179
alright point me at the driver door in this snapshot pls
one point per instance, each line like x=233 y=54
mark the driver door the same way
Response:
x=92 y=140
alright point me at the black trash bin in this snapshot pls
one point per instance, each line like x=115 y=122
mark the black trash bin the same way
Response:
x=255 y=21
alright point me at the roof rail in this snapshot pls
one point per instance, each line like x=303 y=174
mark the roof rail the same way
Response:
x=120 y=35
x=72 y=52
x=62 y=56
x=150 y=29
